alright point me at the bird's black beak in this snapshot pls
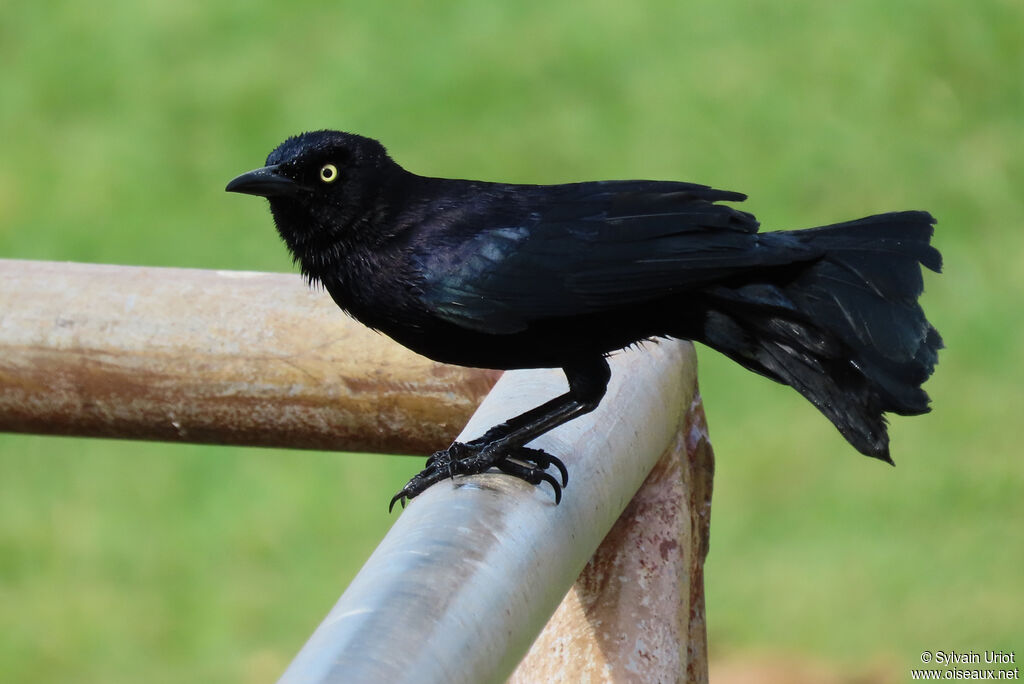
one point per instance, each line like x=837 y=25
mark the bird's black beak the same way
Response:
x=265 y=182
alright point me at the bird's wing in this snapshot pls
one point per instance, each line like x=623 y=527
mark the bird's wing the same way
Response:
x=542 y=252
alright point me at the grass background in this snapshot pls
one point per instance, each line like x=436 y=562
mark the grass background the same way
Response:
x=123 y=562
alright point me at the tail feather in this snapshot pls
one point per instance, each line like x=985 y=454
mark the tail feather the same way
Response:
x=844 y=329
x=868 y=280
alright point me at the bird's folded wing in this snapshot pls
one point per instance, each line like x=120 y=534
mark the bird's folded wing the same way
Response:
x=585 y=248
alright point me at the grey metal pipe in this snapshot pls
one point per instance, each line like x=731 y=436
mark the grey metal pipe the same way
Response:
x=636 y=612
x=222 y=357
x=468 y=575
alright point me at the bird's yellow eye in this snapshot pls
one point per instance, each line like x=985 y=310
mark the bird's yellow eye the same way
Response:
x=328 y=173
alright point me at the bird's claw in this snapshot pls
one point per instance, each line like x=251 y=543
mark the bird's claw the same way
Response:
x=540 y=460
x=401 y=497
x=532 y=475
x=474 y=457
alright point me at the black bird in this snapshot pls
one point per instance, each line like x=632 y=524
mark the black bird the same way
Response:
x=505 y=276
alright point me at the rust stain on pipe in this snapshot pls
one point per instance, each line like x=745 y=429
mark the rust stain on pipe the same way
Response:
x=220 y=357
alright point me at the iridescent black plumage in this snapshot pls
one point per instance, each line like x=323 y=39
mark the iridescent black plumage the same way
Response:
x=519 y=276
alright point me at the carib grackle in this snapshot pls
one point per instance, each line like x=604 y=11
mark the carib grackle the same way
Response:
x=505 y=276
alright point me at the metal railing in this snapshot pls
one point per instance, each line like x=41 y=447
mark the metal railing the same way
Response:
x=471 y=572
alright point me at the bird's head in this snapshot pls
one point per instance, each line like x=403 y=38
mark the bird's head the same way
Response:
x=319 y=185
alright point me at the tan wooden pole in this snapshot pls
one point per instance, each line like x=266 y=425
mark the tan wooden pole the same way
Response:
x=221 y=357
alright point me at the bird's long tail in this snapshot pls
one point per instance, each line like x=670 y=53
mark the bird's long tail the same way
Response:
x=844 y=328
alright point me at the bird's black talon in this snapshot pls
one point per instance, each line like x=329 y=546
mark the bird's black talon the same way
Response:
x=530 y=474
x=554 y=485
x=541 y=460
x=558 y=493
x=552 y=461
x=544 y=460
x=407 y=493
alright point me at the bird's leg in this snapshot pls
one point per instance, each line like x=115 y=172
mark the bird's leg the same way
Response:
x=503 y=446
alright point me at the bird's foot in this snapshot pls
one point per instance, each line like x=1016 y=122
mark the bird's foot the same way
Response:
x=477 y=456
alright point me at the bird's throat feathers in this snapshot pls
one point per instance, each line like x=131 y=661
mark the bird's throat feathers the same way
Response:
x=316 y=245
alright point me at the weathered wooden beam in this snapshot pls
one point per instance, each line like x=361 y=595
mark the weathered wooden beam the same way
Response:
x=221 y=357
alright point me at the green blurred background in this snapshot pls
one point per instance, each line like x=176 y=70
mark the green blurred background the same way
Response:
x=121 y=123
